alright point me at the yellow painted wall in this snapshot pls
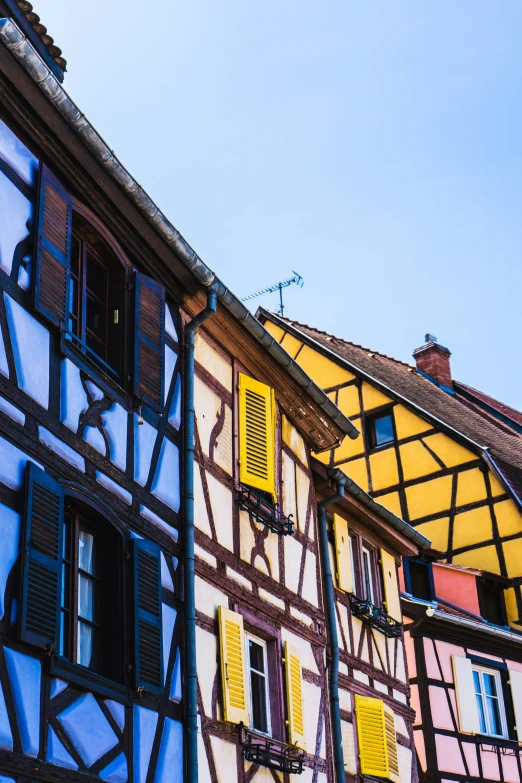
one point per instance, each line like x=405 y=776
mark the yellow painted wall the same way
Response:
x=484 y=558
x=437 y=532
x=430 y=497
x=449 y=451
x=383 y=465
x=471 y=487
x=322 y=370
x=275 y=331
x=373 y=397
x=408 y=424
x=291 y=344
x=348 y=401
x=392 y=502
x=509 y=519
x=472 y=527
x=416 y=460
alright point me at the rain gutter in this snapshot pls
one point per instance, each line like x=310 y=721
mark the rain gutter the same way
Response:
x=22 y=49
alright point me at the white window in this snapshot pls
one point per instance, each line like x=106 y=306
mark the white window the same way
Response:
x=490 y=702
x=367 y=574
x=257 y=668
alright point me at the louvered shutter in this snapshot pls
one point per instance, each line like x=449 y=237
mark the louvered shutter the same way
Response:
x=343 y=554
x=148 y=643
x=391 y=744
x=53 y=249
x=42 y=560
x=233 y=666
x=392 y=601
x=372 y=736
x=256 y=434
x=465 y=692
x=515 y=683
x=149 y=353
x=294 y=696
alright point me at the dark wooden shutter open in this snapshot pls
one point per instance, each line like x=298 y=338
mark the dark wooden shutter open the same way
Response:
x=42 y=560
x=148 y=639
x=149 y=341
x=53 y=248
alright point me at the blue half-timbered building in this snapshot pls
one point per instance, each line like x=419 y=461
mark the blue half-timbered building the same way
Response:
x=90 y=407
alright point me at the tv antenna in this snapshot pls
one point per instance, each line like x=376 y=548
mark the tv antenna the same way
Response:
x=295 y=279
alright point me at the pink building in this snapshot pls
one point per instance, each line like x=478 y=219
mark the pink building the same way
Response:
x=465 y=671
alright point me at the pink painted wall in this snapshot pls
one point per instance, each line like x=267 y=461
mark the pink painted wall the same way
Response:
x=457 y=587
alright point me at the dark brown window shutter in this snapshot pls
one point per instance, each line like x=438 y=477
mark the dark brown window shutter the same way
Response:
x=53 y=248
x=149 y=353
x=148 y=637
x=42 y=560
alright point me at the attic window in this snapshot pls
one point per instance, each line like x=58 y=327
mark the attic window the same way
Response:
x=380 y=429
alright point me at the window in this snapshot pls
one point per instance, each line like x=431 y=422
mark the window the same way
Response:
x=81 y=281
x=367 y=575
x=491 y=601
x=96 y=296
x=419 y=579
x=257 y=667
x=76 y=571
x=380 y=429
x=91 y=595
x=490 y=702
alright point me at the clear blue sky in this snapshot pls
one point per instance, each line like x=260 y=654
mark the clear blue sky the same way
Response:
x=374 y=147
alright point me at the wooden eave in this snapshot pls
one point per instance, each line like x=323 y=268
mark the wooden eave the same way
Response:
x=320 y=432
x=366 y=521
x=51 y=139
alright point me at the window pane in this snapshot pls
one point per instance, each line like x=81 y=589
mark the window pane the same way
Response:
x=476 y=679
x=86 y=598
x=96 y=316
x=490 y=686
x=368 y=576
x=495 y=726
x=86 y=551
x=258 y=690
x=383 y=428
x=256 y=656
x=482 y=719
x=85 y=644
x=97 y=279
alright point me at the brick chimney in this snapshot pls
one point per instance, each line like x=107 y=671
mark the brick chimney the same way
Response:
x=434 y=360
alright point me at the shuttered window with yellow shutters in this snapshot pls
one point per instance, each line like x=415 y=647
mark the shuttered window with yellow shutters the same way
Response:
x=343 y=554
x=392 y=601
x=233 y=670
x=256 y=434
x=377 y=738
x=294 y=696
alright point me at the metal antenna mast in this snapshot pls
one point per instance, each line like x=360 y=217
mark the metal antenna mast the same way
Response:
x=297 y=279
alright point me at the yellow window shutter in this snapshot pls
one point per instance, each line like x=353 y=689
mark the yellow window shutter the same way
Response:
x=233 y=669
x=294 y=696
x=515 y=682
x=392 y=601
x=372 y=736
x=256 y=434
x=343 y=554
x=391 y=744
x=465 y=692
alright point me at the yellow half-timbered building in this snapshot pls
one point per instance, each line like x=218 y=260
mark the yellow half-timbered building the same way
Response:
x=444 y=457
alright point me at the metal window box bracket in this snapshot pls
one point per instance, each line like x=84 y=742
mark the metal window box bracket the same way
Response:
x=375 y=617
x=264 y=512
x=271 y=753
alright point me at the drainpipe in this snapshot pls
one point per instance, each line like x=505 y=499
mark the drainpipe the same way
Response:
x=191 y=682
x=332 y=631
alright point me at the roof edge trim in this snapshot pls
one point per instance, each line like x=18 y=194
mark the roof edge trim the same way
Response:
x=20 y=46
x=396 y=522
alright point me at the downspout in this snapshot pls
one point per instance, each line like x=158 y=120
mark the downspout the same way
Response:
x=191 y=681
x=332 y=631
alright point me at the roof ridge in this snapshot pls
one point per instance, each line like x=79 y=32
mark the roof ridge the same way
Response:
x=349 y=342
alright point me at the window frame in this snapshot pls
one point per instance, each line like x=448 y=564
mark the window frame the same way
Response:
x=369 y=426
x=248 y=637
x=481 y=669
x=271 y=635
x=77 y=350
